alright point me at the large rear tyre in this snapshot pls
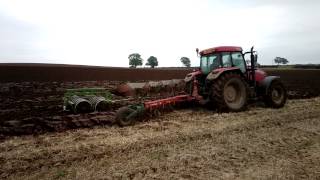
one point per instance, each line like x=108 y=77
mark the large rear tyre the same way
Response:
x=276 y=95
x=122 y=117
x=229 y=92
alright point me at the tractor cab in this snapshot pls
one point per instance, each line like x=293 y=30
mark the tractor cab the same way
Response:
x=229 y=58
x=222 y=57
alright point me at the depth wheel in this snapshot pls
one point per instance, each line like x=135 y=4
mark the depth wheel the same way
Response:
x=122 y=116
x=229 y=92
x=276 y=95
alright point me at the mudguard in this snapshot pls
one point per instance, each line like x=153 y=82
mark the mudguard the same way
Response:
x=264 y=85
x=216 y=73
x=190 y=76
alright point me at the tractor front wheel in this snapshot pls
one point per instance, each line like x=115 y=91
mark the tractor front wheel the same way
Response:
x=229 y=92
x=276 y=95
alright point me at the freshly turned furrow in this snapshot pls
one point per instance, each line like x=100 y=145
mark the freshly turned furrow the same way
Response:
x=36 y=107
x=34 y=115
x=34 y=125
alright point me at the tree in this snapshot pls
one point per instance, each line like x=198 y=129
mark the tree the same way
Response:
x=185 y=61
x=135 y=60
x=152 y=61
x=280 y=60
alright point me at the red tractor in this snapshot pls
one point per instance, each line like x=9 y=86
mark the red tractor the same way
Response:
x=223 y=80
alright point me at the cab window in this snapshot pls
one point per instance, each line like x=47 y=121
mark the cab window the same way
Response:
x=213 y=62
x=226 y=60
x=208 y=63
x=204 y=64
x=237 y=61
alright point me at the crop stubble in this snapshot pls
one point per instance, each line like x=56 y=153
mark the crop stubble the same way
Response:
x=193 y=143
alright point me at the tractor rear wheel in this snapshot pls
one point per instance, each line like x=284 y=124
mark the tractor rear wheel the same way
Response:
x=229 y=92
x=276 y=95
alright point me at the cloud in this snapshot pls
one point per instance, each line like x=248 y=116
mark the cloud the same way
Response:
x=21 y=41
x=104 y=33
x=16 y=38
x=282 y=3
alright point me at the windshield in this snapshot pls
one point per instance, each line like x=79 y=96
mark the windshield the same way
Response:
x=208 y=63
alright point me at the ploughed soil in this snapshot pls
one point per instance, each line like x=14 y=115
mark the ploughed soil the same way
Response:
x=21 y=72
x=37 y=107
x=300 y=83
x=34 y=106
x=260 y=143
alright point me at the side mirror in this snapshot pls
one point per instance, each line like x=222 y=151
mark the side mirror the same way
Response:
x=256 y=58
x=197 y=50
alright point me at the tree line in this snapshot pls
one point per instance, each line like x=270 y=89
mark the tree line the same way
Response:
x=135 y=60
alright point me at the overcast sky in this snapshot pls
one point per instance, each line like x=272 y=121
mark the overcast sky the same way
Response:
x=102 y=32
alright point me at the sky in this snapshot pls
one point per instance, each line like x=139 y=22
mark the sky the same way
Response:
x=105 y=32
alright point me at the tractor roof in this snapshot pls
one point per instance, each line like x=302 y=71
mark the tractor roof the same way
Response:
x=221 y=49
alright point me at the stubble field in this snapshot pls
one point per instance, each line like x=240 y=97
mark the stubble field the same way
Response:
x=260 y=143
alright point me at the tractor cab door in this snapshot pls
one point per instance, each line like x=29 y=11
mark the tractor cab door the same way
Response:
x=237 y=60
x=209 y=63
